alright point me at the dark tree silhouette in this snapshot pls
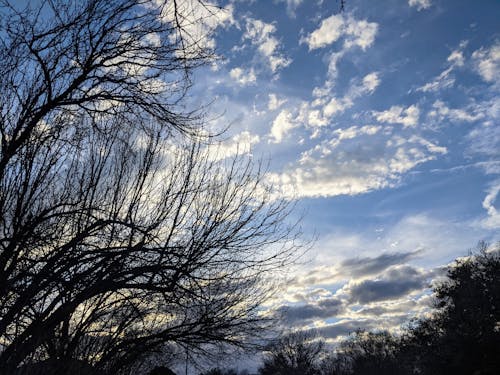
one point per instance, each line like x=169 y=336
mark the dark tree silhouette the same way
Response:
x=297 y=353
x=120 y=237
x=161 y=370
x=219 y=371
x=463 y=336
x=371 y=353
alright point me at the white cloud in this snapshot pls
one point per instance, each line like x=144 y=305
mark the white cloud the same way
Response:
x=340 y=135
x=370 y=82
x=316 y=119
x=487 y=63
x=243 y=77
x=355 y=33
x=442 y=112
x=484 y=138
x=445 y=79
x=359 y=33
x=408 y=117
x=347 y=164
x=431 y=147
x=338 y=105
x=291 y=6
x=282 y=124
x=240 y=144
x=329 y=31
x=275 y=102
x=493 y=219
x=456 y=57
x=442 y=81
x=261 y=35
x=420 y=4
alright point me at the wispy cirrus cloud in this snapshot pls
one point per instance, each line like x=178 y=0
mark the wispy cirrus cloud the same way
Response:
x=420 y=4
x=291 y=6
x=354 y=168
x=493 y=215
x=441 y=112
x=445 y=79
x=408 y=117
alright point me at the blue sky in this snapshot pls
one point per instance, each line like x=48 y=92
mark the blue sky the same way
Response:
x=382 y=124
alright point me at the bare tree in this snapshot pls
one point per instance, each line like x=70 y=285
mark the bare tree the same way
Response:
x=297 y=353
x=119 y=237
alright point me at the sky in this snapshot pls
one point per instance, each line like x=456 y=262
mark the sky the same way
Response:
x=381 y=123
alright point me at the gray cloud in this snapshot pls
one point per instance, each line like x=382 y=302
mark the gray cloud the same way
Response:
x=346 y=327
x=323 y=308
x=369 y=266
x=394 y=283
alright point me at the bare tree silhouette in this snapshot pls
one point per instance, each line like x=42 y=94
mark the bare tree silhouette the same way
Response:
x=119 y=236
x=297 y=353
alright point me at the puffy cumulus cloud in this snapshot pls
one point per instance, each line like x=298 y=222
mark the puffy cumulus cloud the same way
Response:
x=329 y=31
x=261 y=34
x=316 y=119
x=198 y=21
x=408 y=117
x=240 y=144
x=445 y=79
x=357 y=165
x=440 y=112
x=359 y=33
x=370 y=82
x=420 y=4
x=337 y=105
x=487 y=63
x=243 y=77
x=394 y=283
x=282 y=125
x=275 y=102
